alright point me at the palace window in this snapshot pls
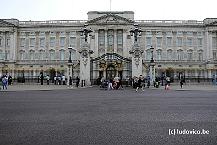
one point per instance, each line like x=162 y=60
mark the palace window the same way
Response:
x=169 y=54
x=180 y=54
x=179 y=41
x=148 y=42
x=101 y=38
x=62 y=41
x=159 y=54
x=52 y=41
x=22 y=55
x=120 y=37
x=148 y=54
x=214 y=42
x=52 y=55
x=31 y=55
x=62 y=54
x=72 y=41
x=169 y=41
x=189 y=55
x=214 y=55
x=41 y=55
x=42 y=42
x=200 y=55
x=199 y=42
x=189 y=42
x=159 y=42
x=110 y=38
x=32 y=42
x=22 y=42
x=8 y=42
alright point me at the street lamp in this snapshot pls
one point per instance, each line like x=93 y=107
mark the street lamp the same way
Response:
x=85 y=32
x=152 y=66
x=70 y=54
x=136 y=31
x=152 y=56
x=69 y=66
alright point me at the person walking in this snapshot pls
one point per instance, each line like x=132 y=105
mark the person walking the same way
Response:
x=139 y=84
x=110 y=87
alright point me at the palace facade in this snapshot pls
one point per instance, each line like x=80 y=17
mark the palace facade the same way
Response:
x=181 y=47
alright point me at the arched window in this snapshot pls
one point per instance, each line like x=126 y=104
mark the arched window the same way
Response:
x=169 y=54
x=21 y=53
x=31 y=55
x=180 y=54
x=190 y=55
x=52 y=54
x=159 y=54
x=41 y=55
x=200 y=55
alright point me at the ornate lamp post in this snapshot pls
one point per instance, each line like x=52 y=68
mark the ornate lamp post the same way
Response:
x=135 y=32
x=85 y=32
x=85 y=57
x=152 y=66
x=69 y=67
x=136 y=52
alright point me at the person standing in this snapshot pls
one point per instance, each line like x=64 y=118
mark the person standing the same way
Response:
x=9 y=80
x=55 y=80
x=41 y=78
x=64 y=80
x=4 y=83
x=77 y=81
x=48 y=79
x=181 y=83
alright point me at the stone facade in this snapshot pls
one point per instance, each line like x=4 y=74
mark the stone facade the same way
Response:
x=181 y=48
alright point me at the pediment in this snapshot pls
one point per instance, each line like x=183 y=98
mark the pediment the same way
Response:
x=110 y=19
x=5 y=23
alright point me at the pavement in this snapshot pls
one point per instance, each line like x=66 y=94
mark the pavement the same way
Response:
x=92 y=116
x=176 y=87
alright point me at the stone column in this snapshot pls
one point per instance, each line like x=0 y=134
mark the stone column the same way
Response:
x=106 y=40
x=96 y=41
x=115 y=41
x=85 y=53
x=125 y=51
x=136 y=60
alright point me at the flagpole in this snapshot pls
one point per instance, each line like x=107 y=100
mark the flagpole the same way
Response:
x=110 y=5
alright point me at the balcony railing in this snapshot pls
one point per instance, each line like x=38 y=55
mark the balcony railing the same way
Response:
x=167 y=22
x=44 y=62
x=51 y=22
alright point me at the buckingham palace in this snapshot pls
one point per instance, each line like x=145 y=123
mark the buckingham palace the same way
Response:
x=109 y=44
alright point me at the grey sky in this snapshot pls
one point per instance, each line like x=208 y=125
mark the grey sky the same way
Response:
x=77 y=9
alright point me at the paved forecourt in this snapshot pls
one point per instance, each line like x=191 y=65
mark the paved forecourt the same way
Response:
x=91 y=116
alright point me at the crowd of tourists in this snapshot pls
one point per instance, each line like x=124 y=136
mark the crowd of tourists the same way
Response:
x=138 y=83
